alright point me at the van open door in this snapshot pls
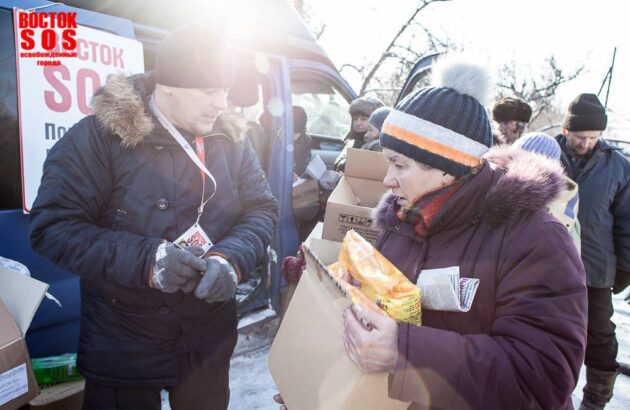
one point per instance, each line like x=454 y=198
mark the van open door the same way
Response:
x=419 y=72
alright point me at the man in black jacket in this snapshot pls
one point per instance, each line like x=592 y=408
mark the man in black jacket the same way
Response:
x=603 y=176
x=130 y=206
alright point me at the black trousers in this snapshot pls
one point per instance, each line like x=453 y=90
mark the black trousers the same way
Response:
x=601 y=342
x=203 y=386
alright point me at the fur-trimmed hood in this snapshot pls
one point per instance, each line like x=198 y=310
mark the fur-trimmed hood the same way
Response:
x=520 y=182
x=122 y=107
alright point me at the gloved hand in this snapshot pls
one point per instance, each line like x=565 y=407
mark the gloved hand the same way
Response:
x=174 y=267
x=622 y=280
x=219 y=281
x=192 y=283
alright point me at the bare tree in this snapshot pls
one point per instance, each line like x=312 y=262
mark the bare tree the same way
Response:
x=393 y=47
x=538 y=91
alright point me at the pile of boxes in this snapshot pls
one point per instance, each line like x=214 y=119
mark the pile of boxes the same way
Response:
x=20 y=296
x=307 y=360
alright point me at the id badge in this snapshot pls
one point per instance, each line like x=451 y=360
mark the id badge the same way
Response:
x=195 y=236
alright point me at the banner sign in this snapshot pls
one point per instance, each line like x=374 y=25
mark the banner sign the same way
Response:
x=60 y=65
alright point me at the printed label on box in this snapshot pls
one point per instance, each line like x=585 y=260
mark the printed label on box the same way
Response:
x=13 y=383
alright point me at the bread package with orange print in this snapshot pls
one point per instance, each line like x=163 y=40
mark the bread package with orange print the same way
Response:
x=379 y=279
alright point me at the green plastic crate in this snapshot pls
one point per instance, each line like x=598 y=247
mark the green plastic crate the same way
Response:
x=56 y=369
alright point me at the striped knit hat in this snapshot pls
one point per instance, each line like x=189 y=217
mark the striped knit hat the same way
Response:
x=444 y=126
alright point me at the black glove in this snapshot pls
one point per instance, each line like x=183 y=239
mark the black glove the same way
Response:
x=622 y=280
x=174 y=267
x=219 y=282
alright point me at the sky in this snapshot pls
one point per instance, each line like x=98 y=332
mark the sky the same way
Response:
x=576 y=32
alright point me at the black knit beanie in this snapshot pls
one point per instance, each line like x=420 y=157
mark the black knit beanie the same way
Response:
x=194 y=56
x=585 y=113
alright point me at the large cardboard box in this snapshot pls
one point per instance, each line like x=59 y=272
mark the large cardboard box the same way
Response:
x=307 y=359
x=20 y=296
x=351 y=203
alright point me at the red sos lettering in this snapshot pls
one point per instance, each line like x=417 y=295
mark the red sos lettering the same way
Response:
x=59 y=99
x=48 y=39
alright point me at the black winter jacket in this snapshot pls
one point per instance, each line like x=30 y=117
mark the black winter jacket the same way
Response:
x=604 y=212
x=113 y=188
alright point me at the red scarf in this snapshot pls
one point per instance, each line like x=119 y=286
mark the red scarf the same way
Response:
x=421 y=213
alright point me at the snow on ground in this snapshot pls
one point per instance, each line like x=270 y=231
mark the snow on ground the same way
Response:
x=252 y=387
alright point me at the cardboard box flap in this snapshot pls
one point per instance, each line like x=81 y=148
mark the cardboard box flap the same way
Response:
x=9 y=333
x=21 y=295
x=365 y=164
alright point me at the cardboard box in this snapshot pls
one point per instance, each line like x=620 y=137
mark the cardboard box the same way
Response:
x=20 y=296
x=306 y=200
x=351 y=203
x=307 y=359
x=65 y=396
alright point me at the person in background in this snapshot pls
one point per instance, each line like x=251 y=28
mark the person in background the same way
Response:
x=360 y=110
x=511 y=116
x=452 y=209
x=603 y=175
x=302 y=142
x=375 y=123
x=564 y=208
x=120 y=191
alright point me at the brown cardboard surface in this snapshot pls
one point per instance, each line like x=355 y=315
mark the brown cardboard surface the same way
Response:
x=365 y=164
x=350 y=207
x=20 y=296
x=65 y=396
x=305 y=194
x=307 y=359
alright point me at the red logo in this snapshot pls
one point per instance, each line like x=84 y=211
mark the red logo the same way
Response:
x=55 y=36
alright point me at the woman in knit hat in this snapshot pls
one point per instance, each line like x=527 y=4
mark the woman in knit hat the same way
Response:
x=522 y=341
x=565 y=207
x=375 y=123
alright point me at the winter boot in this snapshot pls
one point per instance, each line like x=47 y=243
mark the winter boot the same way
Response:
x=598 y=390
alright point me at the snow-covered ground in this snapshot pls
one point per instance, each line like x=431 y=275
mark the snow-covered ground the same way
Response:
x=253 y=388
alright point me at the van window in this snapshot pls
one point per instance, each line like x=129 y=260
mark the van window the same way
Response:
x=325 y=106
x=10 y=173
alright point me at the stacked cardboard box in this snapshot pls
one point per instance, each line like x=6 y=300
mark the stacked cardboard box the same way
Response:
x=20 y=296
x=351 y=203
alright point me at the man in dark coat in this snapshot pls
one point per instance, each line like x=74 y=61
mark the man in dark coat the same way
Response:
x=603 y=176
x=455 y=206
x=119 y=190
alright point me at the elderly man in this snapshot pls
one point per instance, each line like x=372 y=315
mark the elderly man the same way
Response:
x=159 y=232
x=511 y=116
x=603 y=175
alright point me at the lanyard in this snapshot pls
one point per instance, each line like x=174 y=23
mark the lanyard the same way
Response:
x=197 y=159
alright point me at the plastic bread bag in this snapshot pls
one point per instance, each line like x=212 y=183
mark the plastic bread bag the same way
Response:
x=379 y=279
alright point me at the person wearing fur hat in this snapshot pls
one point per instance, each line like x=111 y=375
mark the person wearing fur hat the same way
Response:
x=511 y=116
x=522 y=342
x=121 y=191
x=360 y=110
x=565 y=207
x=603 y=175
